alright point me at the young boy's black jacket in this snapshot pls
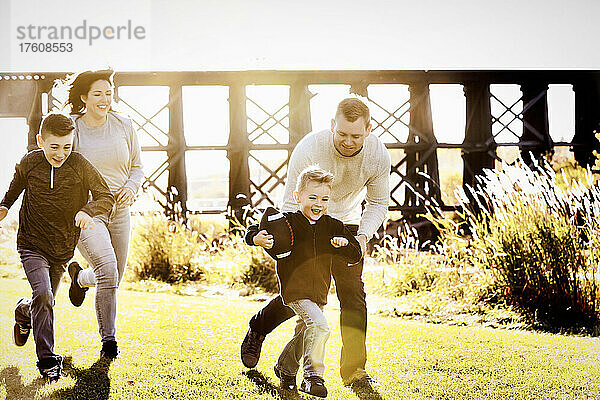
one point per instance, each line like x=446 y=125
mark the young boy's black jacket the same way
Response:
x=52 y=198
x=306 y=272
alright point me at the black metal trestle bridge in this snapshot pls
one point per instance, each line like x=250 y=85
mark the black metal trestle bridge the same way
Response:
x=415 y=169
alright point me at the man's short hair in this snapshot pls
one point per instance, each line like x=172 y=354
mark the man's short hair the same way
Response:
x=56 y=124
x=313 y=173
x=352 y=109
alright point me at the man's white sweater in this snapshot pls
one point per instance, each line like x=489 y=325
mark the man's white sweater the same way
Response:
x=363 y=174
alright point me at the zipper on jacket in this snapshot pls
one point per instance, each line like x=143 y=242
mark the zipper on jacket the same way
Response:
x=315 y=265
x=52 y=177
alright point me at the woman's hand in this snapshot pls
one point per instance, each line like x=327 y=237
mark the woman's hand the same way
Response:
x=263 y=239
x=124 y=197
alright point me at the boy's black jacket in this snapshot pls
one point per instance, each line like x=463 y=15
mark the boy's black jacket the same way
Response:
x=306 y=272
x=52 y=198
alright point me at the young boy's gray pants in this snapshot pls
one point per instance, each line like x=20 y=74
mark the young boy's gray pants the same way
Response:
x=38 y=312
x=308 y=342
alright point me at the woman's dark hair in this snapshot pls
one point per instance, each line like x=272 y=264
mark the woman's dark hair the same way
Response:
x=80 y=86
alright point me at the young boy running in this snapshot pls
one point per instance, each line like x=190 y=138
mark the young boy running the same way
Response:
x=55 y=207
x=304 y=277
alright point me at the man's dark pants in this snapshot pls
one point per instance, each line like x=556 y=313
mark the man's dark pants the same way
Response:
x=353 y=316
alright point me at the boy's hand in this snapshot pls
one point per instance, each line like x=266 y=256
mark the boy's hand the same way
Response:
x=83 y=221
x=3 y=213
x=339 y=241
x=124 y=197
x=263 y=239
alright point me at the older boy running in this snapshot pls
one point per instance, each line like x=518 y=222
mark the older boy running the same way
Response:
x=57 y=184
x=361 y=166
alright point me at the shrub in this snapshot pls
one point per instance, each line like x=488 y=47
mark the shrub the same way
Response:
x=258 y=268
x=260 y=271
x=405 y=269
x=166 y=251
x=537 y=239
x=10 y=262
x=170 y=252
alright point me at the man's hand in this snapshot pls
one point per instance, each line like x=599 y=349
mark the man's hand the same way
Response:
x=124 y=197
x=3 y=213
x=362 y=240
x=263 y=239
x=83 y=221
x=339 y=241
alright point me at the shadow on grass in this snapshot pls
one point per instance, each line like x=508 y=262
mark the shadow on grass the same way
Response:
x=92 y=383
x=266 y=386
x=12 y=380
x=367 y=393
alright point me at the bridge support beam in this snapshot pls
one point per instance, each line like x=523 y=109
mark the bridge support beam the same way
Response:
x=177 y=182
x=239 y=172
x=587 y=120
x=536 y=131
x=479 y=147
x=422 y=174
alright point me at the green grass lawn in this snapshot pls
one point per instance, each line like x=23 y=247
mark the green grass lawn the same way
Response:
x=183 y=347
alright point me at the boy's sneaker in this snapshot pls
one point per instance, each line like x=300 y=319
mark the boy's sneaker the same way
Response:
x=51 y=368
x=251 y=348
x=314 y=385
x=76 y=292
x=20 y=334
x=110 y=350
x=287 y=382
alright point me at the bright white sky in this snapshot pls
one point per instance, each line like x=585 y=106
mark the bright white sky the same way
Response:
x=314 y=34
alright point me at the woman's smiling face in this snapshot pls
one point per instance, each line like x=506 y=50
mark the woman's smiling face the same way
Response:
x=98 y=99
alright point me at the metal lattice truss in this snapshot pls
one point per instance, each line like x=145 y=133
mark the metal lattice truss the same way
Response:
x=383 y=127
x=262 y=130
x=419 y=150
x=264 y=190
x=516 y=116
x=142 y=123
x=267 y=171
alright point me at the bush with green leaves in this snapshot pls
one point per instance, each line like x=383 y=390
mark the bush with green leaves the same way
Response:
x=260 y=271
x=166 y=251
x=258 y=268
x=405 y=269
x=170 y=252
x=536 y=238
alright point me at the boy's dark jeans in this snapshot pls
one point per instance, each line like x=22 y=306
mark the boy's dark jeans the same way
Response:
x=38 y=312
x=353 y=316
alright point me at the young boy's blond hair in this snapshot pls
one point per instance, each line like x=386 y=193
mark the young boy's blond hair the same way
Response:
x=313 y=173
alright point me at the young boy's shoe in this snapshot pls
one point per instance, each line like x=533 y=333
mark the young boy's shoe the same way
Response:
x=76 y=292
x=314 y=385
x=287 y=382
x=110 y=350
x=51 y=368
x=20 y=334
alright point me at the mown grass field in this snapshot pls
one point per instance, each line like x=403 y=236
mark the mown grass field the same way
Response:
x=184 y=347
